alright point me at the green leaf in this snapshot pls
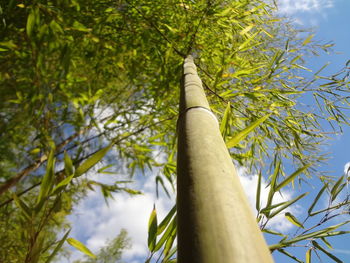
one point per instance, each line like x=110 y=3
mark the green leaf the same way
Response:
x=289 y=255
x=326 y=242
x=316 y=245
x=80 y=246
x=22 y=206
x=336 y=189
x=68 y=165
x=30 y=23
x=90 y=162
x=308 y=256
x=316 y=234
x=287 y=204
x=58 y=247
x=225 y=120
x=316 y=199
x=170 y=241
x=293 y=219
x=167 y=234
x=48 y=180
x=291 y=177
x=272 y=232
x=244 y=133
x=258 y=192
x=63 y=183
x=152 y=230
x=80 y=27
x=166 y=220
x=308 y=39
x=273 y=183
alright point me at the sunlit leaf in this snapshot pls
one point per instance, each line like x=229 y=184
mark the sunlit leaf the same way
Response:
x=91 y=161
x=80 y=246
x=152 y=230
x=293 y=220
x=244 y=133
x=58 y=247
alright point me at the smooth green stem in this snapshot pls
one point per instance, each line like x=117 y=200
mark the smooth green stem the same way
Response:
x=215 y=221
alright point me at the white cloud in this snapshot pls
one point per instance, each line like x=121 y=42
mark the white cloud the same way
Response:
x=94 y=222
x=249 y=183
x=346 y=169
x=310 y=6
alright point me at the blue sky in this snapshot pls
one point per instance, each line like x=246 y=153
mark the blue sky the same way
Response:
x=94 y=222
x=330 y=20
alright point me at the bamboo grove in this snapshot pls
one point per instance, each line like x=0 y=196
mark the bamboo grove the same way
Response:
x=93 y=86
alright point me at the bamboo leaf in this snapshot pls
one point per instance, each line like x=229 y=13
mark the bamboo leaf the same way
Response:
x=326 y=242
x=166 y=235
x=308 y=39
x=22 y=206
x=169 y=242
x=336 y=189
x=166 y=220
x=68 y=165
x=291 y=177
x=287 y=204
x=152 y=230
x=258 y=192
x=90 y=162
x=225 y=119
x=63 y=183
x=293 y=220
x=30 y=23
x=48 y=180
x=273 y=183
x=289 y=255
x=80 y=246
x=308 y=256
x=58 y=247
x=316 y=199
x=316 y=245
x=244 y=133
x=316 y=234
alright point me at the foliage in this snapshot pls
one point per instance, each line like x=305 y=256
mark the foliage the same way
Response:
x=111 y=253
x=83 y=80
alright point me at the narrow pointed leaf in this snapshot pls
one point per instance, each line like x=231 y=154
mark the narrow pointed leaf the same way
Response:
x=308 y=39
x=22 y=206
x=166 y=220
x=166 y=235
x=326 y=242
x=80 y=246
x=90 y=162
x=273 y=184
x=289 y=255
x=287 y=204
x=152 y=230
x=290 y=178
x=316 y=245
x=335 y=189
x=308 y=256
x=63 y=183
x=48 y=179
x=293 y=220
x=30 y=23
x=316 y=199
x=244 y=133
x=58 y=247
x=225 y=120
x=68 y=165
x=258 y=192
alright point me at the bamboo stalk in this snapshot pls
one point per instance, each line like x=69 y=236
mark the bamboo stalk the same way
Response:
x=215 y=221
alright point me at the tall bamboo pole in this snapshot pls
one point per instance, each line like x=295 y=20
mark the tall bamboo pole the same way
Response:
x=215 y=222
